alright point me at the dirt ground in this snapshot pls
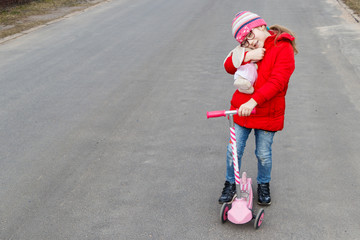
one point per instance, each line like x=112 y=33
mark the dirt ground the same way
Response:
x=25 y=25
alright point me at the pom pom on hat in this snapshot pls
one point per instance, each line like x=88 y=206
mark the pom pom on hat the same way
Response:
x=243 y=23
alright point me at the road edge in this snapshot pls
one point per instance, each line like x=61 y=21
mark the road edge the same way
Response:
x=349 y=11
x=77 y=12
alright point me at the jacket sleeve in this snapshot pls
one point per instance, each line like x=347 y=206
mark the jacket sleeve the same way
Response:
x=278 y=81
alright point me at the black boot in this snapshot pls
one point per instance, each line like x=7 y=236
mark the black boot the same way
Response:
x=228 y=193
x=264 y=194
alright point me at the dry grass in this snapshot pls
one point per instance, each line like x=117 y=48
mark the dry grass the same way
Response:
x=19 y=18
x=354 y=5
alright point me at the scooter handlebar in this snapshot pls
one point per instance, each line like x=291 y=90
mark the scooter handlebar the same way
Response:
x=223 y=113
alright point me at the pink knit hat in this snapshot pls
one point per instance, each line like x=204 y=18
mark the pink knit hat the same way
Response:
x=243 y=23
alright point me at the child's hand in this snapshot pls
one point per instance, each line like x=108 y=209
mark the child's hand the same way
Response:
x=246 y=109
x=255 y=55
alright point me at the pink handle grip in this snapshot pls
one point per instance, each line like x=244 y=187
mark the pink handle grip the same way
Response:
x=215 y=114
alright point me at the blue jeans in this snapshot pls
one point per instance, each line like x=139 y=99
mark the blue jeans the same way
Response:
x=263 y=141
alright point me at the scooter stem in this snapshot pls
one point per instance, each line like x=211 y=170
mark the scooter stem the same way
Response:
x=234 y=153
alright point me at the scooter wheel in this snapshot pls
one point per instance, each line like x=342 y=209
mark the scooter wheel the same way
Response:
x=223 y=212
x=259 y=218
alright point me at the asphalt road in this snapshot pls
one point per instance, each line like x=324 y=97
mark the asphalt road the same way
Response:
x=103 y=129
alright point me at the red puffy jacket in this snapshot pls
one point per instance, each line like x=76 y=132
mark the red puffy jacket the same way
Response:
x=274 y=72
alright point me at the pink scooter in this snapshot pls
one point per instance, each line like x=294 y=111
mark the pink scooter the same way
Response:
x=239 y=211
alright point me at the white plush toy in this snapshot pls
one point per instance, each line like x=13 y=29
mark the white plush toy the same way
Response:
x=246 y=75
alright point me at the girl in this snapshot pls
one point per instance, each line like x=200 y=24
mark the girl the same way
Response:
x=274 y=71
